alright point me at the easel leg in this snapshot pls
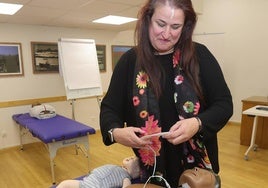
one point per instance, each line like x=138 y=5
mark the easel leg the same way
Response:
x=73 y=112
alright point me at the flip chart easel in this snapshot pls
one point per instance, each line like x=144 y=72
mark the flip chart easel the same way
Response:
x=79 y=68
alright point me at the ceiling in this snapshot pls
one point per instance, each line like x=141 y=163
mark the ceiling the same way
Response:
x=73 y=13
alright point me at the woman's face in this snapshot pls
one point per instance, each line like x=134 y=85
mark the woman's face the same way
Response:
x=166 y=27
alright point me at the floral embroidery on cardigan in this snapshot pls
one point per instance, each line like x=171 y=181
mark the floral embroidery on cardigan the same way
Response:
x=147 y=110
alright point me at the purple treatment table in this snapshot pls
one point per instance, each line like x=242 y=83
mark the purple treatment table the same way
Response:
x=56 y=132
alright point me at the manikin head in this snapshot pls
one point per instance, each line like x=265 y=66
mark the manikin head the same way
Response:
x=199 y=178
x=132 y=166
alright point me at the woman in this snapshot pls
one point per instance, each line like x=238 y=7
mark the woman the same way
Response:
x=167 y=83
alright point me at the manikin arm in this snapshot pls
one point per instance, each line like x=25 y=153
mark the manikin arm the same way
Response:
x=126 y=182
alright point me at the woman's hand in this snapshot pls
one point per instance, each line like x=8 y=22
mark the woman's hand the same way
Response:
x=182 y=131
x=128 y=136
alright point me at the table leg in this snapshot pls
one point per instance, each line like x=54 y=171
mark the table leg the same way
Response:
x=253 y=137
x=52 y=148
x=21 y=135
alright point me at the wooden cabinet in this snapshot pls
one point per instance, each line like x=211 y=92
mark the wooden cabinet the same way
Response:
x=247 y=123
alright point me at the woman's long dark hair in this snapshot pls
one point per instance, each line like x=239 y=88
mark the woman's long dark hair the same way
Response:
x=145 y=51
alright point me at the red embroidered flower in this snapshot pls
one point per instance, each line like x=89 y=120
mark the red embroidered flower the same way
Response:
x=141 y=91
x=176 y=58
x=178 y=79
x=196 y=108
x=136 y=101
x=190 y=158
x=147 y=153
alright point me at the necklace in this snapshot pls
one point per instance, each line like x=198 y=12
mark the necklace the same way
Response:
x=166 y=52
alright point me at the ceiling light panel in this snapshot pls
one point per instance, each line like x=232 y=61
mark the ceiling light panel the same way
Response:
x=9 y=9
x=114 y=20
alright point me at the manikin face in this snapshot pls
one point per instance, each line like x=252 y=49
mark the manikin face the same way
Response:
x=198 y=178
x=127 y=162
x=166 y=27
x=131 y=164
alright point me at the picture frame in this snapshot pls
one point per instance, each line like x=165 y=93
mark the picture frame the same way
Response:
x=101 y=55
x=117 y=52
x=45 y=57
x=11 y=59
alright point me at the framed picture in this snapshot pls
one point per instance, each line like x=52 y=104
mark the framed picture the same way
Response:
x=11 y=59
x=45 y=57
x=117 y=52
x=101 y=54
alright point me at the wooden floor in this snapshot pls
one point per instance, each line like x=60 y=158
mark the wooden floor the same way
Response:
x=30 y=168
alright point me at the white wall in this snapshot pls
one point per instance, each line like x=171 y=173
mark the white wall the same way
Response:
x=198 y=6
x=32 y=86
x=240 y=48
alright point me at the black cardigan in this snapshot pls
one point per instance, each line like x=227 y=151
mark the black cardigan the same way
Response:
x=117 y=107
